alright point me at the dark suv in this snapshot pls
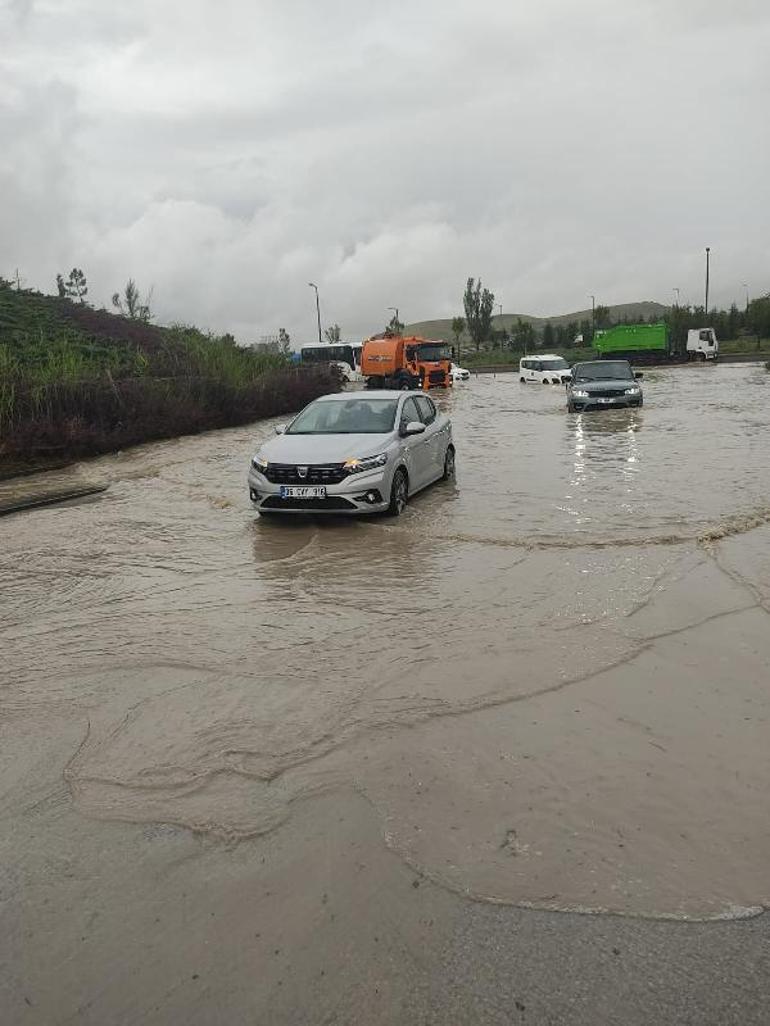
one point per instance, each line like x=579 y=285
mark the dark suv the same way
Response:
x=602 y=384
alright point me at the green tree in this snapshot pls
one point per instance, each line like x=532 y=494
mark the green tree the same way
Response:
x=333 y=334
x=478 y=303
x=602 y=317
x=458 y=327
x=523 y=335
x=131 y=304
x=61 y=288
x=284 y=341
x=758 y=317
x=76 y=286
x=548 y=336
x=394 y=328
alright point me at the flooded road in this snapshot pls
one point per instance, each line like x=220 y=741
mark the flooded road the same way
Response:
x=544 y=686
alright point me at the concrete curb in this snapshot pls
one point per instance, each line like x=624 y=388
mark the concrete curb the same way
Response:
x=38 y=501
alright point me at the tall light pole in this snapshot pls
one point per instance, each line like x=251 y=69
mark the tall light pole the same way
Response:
x=317 y=308
x=708 y=255
x=746 y=286
x=593 y=315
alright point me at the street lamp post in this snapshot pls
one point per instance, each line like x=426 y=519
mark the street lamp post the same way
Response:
x=317 y=308
x=746 y=286
x=593 y=316
x=708 y=255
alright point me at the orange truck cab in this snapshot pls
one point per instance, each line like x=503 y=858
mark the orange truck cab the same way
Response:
x=405 y=363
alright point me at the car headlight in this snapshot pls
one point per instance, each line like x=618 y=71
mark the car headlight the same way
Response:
x=259 y=463
x=579 y=393
x=358 y=466
x=633 y=390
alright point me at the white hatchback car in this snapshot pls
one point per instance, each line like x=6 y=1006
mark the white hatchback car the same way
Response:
x=547 y=369
x=459 y=373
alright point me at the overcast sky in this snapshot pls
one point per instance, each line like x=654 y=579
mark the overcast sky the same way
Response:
x=228 y=153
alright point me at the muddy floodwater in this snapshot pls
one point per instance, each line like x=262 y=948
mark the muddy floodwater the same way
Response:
x=546 y=685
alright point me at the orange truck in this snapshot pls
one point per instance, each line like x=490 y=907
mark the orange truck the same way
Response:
x=405 y=363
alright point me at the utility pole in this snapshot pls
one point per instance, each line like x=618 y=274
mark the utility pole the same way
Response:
x=593 y=316
x=746 y=286
x=708 y=254
x=317 y=308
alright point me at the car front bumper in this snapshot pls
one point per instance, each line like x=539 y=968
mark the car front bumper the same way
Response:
x=357 y=494
x=621 y=402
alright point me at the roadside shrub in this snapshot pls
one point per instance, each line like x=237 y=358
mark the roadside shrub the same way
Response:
x=75 y=419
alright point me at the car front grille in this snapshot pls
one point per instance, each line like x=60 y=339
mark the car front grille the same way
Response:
x=436 y=376
x=318 y=474
x=331 y=502
x=606 y=393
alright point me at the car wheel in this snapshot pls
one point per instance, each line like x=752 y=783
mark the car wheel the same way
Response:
x=522 y=381
x=405 y=385
x=449 y=464
x=399 y=493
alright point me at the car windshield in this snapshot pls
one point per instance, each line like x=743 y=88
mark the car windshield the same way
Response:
x=432 y=352
x=555 y=364
x=602 y=371
x=345 y=417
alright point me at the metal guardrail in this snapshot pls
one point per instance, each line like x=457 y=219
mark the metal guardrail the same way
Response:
x=513 y=368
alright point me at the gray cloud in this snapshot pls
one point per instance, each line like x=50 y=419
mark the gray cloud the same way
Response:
x=230 y=154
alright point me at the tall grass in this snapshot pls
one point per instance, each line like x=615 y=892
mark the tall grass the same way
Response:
x=76 y=381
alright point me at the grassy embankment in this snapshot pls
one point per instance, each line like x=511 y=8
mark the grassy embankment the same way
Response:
x=76 y=381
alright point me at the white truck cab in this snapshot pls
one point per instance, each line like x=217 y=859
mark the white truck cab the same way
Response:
x=702 y=344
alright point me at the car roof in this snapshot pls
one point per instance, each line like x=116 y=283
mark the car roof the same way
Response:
x=365 y=395
x=587 y=363
x=542 y=356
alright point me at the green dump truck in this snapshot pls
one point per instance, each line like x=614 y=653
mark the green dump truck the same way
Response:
x=641 y=343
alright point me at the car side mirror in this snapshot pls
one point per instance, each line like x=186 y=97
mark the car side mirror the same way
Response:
x=638 y=375
x=280 y=429
x=414 y=427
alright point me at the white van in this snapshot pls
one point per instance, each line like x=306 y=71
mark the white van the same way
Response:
x=702 y=344
x=547 y=369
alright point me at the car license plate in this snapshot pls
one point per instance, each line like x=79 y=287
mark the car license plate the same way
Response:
x=602 y=400
x=303 y=493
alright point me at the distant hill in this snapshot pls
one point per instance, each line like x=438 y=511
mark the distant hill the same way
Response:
x=442 y=327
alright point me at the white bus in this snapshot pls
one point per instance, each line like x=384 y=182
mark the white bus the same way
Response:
x=346 y=355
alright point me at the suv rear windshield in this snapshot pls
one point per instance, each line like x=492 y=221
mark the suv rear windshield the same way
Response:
x=603 y=371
